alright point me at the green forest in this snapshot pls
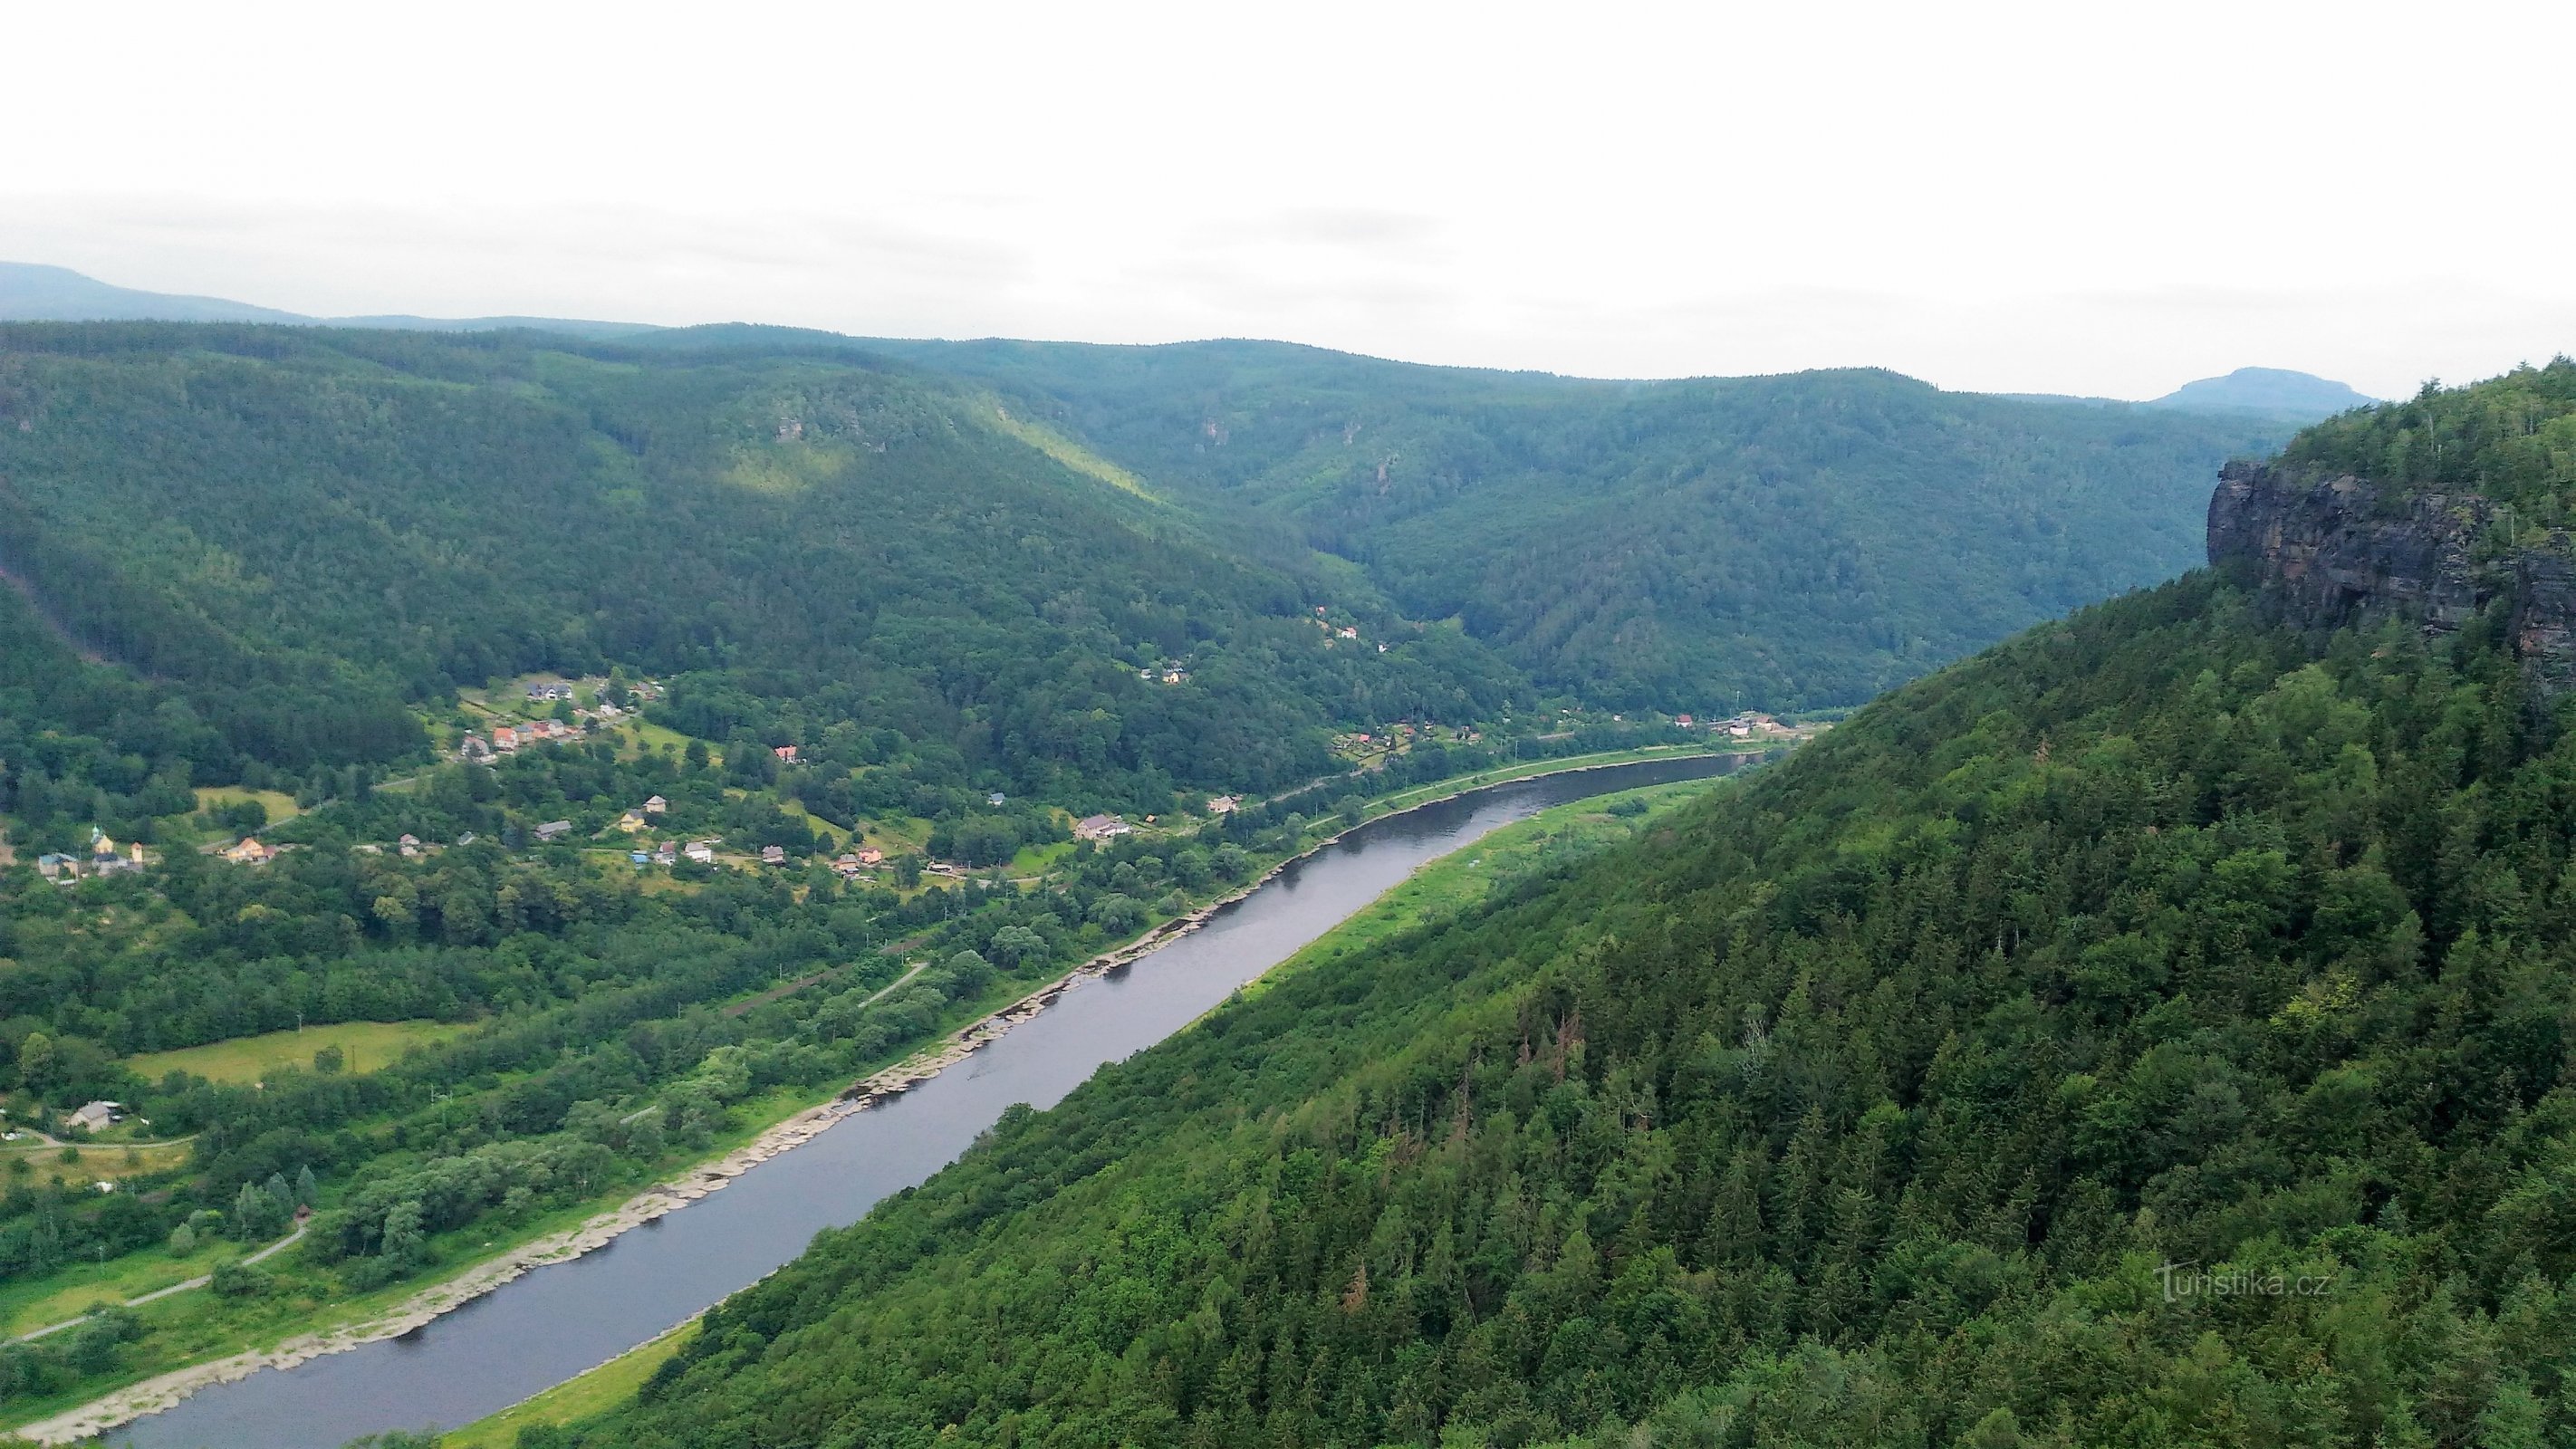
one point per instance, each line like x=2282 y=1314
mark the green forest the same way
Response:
x=2153 y=1031
x=259 y=554
x=1782 y=542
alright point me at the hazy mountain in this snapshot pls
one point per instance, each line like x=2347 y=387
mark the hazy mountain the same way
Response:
x=34 y=292
x=2273 y=391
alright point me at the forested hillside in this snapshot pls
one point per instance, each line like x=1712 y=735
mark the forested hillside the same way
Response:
x=1785 y=542
x=2154 y=1031
x=280 y=549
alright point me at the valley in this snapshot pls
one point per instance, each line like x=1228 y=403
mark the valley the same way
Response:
x=472 y=796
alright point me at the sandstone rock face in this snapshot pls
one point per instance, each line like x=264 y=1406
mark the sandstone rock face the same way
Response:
x=2326 y=554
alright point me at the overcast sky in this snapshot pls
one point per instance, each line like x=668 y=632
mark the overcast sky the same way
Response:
x=2049 y=197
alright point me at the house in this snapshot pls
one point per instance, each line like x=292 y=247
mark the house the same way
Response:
x=96 y=1116
x=410 y=844
x=847 y=865
x=60 y=869
x=554 y=830
x=773 y=855
x=701 y=851
x=547 y=691
x=786 y=754
x=1346 y=632
x=656 y=805
x=631 y=821
x=665 y=853
x=249 y=852
x=1223 y=804
x=1739 y=730
x=995 y=797
x=1682 y=720
x=474 y=747
x=871 y=857
x=640 y=857
x=1100 y=827
x=505 y=739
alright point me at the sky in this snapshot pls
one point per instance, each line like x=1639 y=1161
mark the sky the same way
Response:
x=2105 y=199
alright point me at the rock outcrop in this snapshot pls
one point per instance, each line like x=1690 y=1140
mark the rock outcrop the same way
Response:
x=2343 y=551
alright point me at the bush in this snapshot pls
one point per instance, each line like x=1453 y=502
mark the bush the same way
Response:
x=239 y=1280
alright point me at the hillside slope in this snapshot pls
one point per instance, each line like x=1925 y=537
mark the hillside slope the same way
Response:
x=1790 y=541
x=281 y=543
x=2153 y=1031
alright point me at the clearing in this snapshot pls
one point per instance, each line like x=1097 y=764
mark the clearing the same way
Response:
x=365 y=1045
x=281 y=806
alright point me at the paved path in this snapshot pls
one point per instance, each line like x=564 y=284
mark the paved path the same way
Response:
x=200 y=1281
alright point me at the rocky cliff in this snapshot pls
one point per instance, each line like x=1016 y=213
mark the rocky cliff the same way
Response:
x=2340 y=551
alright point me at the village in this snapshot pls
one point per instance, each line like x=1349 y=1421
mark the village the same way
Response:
x=547 y=711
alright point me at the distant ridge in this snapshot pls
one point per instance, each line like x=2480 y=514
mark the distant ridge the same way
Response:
x=2273 y=391
x=31 y=292
x=2267 y=392
x=34 y=292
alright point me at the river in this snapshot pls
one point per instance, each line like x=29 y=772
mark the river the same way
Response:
x=566 y=1318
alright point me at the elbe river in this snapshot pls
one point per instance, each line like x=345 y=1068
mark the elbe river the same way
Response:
x=566 y=1318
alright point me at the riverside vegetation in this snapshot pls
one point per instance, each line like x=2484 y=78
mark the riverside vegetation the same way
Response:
x=2153 y=1031
x=293 y=565
x=299 y=565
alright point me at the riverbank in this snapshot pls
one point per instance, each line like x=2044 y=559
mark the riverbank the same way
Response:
x=1441 y=889
x=359 y=1325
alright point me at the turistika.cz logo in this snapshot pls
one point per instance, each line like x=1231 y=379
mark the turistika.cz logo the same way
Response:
x=2190 y=1280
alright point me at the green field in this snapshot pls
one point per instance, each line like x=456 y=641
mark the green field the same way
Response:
x=611 y=1383
x=80 y=1287
x=1457 y=881
x=281 y=806
x=367 y=1046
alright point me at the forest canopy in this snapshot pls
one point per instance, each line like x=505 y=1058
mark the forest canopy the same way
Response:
x=2153 y=1031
